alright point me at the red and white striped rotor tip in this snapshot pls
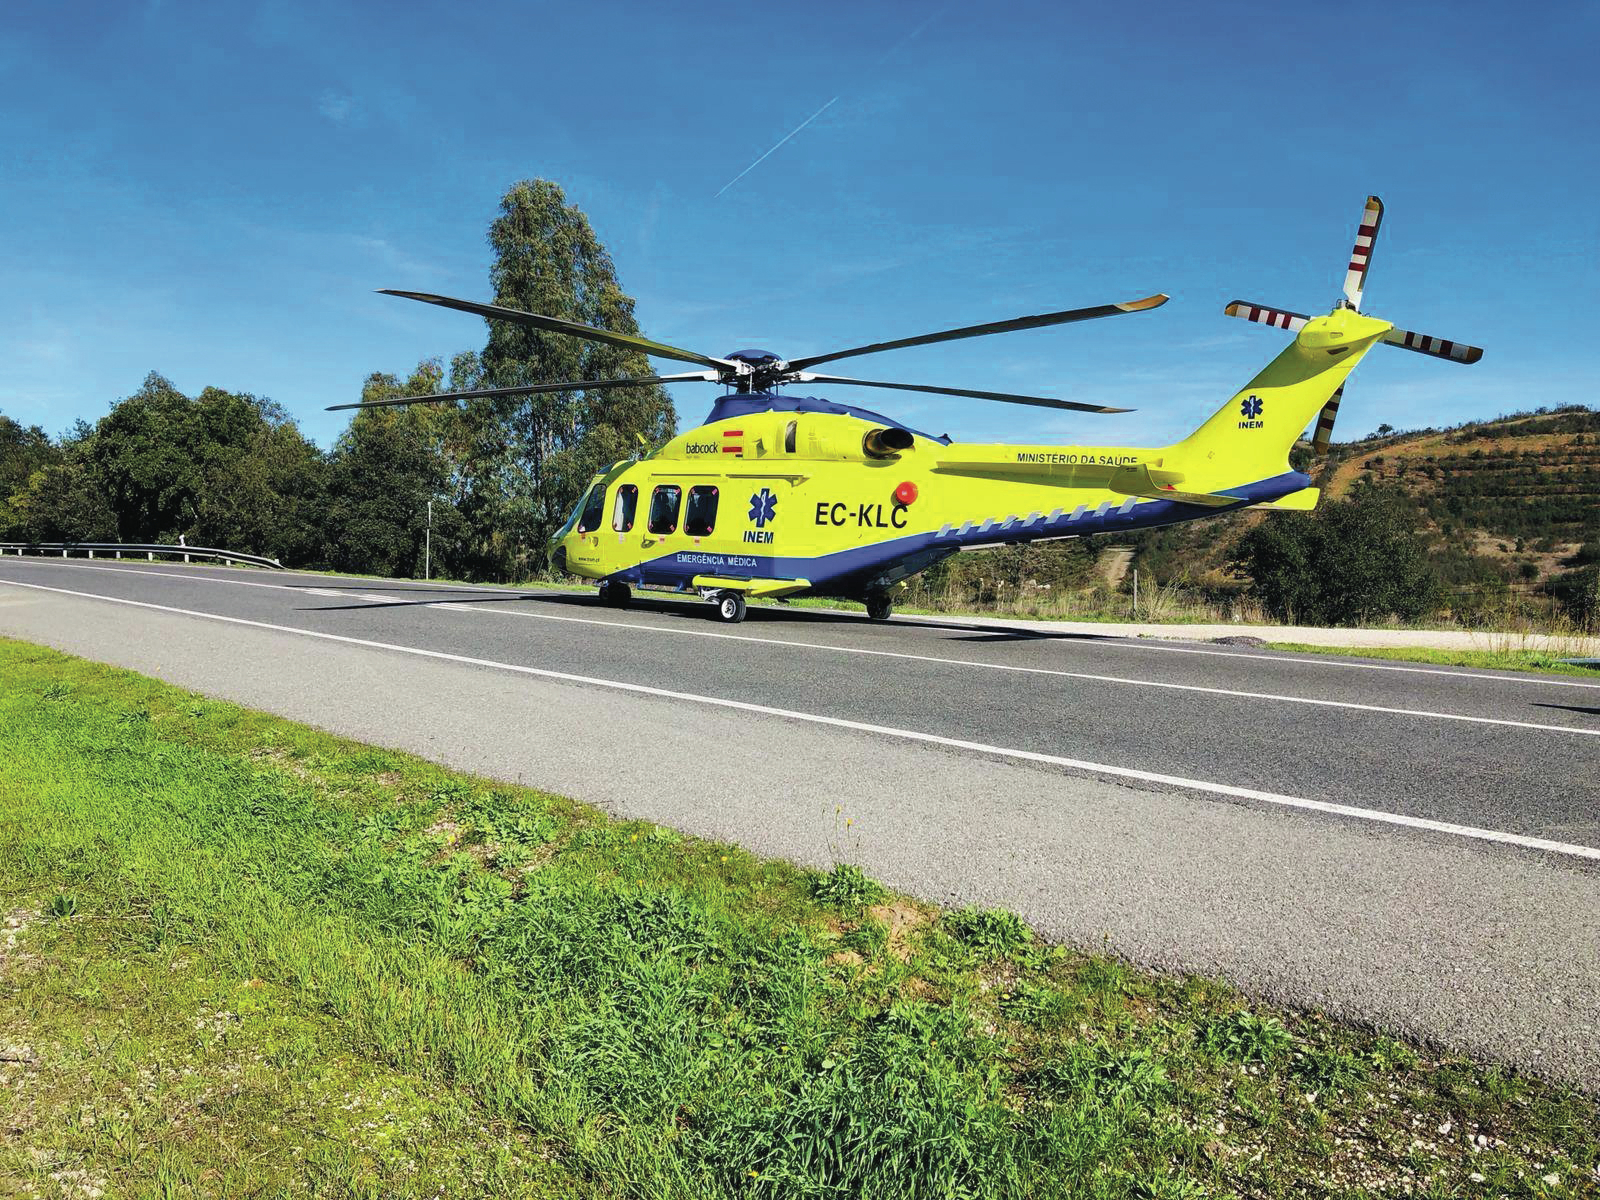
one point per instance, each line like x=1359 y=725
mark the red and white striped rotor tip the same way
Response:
x=1355 y=279
x=1323 y=437
x=1423 y=343
x=1277 y=318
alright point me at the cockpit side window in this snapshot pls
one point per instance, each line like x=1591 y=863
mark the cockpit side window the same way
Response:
x=594 y=509
x=664 y=503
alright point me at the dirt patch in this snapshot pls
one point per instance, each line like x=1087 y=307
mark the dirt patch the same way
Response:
x=12 y=926
x=903 y=920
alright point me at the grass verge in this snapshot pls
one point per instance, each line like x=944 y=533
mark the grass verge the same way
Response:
x=246 y=958
x=1540 y=662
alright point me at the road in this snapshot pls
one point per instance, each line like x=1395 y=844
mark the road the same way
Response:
x=1412 y=846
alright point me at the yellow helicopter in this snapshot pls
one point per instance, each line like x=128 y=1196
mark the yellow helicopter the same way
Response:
x=778 y=495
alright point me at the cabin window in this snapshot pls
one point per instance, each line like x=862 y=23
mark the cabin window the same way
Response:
x=594 y=509
x=700 y=518
x=664 y=503
x=623 y=511
x=791 y=434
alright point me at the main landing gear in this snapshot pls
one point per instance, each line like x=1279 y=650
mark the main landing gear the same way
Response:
x=729 y=607
x=614 y=594
x=879 y=608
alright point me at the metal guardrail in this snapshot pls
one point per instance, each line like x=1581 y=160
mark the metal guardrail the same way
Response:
x=118 y=549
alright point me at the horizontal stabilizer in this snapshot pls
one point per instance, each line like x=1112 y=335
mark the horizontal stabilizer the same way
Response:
x=1158 y=484
x=1302 y=501
x=753 y=587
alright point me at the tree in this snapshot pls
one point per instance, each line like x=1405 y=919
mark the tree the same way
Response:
x=384 y=469
x=62 y=502
x=1351 y=561
x=548 y=260
x=23 y=450
x=143 y=453
x=222 y=469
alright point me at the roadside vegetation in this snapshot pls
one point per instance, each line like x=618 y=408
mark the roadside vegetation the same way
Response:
x=1511 y=659
x=242 y=957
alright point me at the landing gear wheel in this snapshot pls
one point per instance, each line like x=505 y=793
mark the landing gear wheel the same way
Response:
x=614 y=594
x=879 y=608
x=730 y=608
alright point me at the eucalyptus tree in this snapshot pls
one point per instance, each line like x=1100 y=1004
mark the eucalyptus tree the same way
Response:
x=537 y=452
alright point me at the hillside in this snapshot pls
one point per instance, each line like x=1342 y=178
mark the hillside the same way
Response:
x=1509 y=503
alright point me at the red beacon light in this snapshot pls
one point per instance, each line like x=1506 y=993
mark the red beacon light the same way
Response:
x=906 y=494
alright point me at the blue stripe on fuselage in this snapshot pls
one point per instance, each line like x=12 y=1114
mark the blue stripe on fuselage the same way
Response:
x=846 y=571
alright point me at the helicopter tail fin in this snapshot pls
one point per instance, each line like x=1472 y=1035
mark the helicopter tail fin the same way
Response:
x=1250 y=436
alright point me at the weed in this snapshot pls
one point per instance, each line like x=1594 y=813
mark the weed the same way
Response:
x=847 y=886
x=1035 y=1005
x=1389 y=1055
x=1245 y=1037
x=1335 y=1070
x=63 y=905
x=1104 y=1074
x=868 y=939
x=992 y=932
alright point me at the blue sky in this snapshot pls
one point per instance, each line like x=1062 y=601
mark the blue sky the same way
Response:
x=213 y=191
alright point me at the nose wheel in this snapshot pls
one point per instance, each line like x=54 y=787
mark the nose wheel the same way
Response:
x=614 y=594
x=879 y=608
x=729 y=607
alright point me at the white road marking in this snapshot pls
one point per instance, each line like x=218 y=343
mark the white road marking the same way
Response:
x=413 y=585
x=1111 y=641
x=1055 y=671
x=1590 y=853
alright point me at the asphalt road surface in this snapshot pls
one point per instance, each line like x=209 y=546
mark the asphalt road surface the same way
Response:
x=1411 y=846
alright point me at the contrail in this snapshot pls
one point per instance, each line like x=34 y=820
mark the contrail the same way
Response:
x=769 y=153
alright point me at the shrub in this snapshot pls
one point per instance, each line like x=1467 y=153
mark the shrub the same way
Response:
x=1351 y=561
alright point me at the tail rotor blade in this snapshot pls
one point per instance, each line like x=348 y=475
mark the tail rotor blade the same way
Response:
x=1324 y=434
x=1355 y=280
x=1277 y=318
x=1422 y=343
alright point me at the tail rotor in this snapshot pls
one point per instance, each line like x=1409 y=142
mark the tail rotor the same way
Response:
x=1355 y=283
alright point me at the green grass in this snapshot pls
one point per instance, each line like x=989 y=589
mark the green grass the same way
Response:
x=1536 y=661
x=246 y=958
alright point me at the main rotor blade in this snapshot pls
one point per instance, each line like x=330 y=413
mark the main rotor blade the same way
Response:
x=1278 y=318
x=1355 y=279
x=582 y=385
x=1438 y=347
x=626 y=341
x=971 y=331
x=1004 y=397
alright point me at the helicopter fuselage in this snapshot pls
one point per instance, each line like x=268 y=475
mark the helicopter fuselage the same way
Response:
x=776 y=495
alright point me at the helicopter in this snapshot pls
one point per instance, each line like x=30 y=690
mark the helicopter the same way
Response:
x=777 y=495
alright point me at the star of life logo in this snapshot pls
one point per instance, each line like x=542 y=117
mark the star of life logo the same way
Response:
x=762 y=505
x=1250 y=408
